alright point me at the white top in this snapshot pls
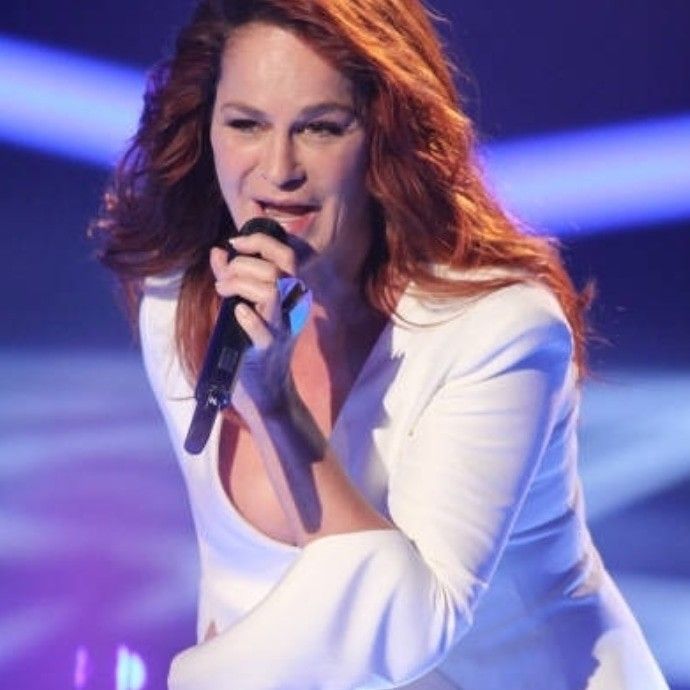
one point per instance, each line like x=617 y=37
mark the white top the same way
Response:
x=462 y=430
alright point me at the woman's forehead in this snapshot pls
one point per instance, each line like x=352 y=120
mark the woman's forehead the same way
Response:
x=270 y=62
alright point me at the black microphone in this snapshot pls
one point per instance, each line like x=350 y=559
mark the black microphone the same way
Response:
x=226 y=346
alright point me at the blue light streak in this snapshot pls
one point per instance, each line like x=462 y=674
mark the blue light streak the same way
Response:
x=575 y=182
x=611 y=177
x=65 y=104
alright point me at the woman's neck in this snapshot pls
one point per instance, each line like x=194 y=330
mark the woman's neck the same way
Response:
x=336 y=294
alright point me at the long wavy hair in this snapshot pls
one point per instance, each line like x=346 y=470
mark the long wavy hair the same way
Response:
x=163 y=209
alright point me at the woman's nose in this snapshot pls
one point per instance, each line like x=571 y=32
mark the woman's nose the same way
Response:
x=280 y=166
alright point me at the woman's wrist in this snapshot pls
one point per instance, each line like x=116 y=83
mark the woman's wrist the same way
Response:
x=290 y=409
x=281 y=401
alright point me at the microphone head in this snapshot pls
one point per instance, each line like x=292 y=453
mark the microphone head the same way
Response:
x=266 y=225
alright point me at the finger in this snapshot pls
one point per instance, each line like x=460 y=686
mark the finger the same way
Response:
x=271 y=312
x=264 y=295
x=254 y=269
x=218 y=259
x=253 y=291
x=254 y=326
x=269 y=248
x=248 y=267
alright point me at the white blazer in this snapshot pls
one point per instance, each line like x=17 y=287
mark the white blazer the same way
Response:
x=461 y=428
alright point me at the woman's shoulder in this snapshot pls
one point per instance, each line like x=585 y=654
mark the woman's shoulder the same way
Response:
x=159 y=296
x=157 y=310
x=520 y=317
x=510 y=298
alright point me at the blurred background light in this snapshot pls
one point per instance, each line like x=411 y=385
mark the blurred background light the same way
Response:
x=607 y=178
x=62 y=103
x=81 y=667
x=130 y=673
x=571 y=182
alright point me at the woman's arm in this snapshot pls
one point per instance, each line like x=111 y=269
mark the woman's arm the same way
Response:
x=380 y=607
x=316 y=495
x=314 y=491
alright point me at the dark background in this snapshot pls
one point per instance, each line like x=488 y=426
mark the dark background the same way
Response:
x=526 y=68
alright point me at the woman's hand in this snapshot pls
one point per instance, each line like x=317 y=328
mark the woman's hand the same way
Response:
x=264 y=382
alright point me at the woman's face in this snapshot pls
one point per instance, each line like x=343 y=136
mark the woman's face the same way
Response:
x=287 y=143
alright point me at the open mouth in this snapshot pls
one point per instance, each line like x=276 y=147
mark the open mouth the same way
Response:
x=295 y=218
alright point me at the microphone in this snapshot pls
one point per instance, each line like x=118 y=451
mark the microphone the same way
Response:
x=226 y=347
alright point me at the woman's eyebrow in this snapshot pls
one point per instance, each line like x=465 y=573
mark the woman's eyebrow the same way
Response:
x=326 y=107
x=243 y=108
x=307 y=112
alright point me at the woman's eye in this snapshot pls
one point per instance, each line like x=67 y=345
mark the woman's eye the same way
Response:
x=324 y=128
x=244 y=125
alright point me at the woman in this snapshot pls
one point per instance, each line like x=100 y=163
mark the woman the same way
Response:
x=393 y=499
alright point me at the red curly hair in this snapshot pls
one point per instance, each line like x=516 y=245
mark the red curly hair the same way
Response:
x=163 y=209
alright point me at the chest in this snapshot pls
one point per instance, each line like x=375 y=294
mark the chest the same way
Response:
x=245 y=480
x=247 y=485
x=242 y=472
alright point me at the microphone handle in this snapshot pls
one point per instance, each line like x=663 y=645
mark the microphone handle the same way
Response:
x=226 y=347
x=223 y=357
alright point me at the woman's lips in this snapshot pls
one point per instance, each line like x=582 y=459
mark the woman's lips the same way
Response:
x=295 y=218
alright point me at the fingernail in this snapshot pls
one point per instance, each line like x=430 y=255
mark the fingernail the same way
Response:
x=242 y=311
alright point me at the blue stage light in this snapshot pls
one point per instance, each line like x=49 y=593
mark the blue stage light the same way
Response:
x=607 y=178
x=65 y=104
x=579 y=182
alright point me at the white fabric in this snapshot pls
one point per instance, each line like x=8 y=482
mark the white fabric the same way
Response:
x=461 y=429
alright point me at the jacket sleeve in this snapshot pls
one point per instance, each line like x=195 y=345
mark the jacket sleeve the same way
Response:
x=378 y=609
